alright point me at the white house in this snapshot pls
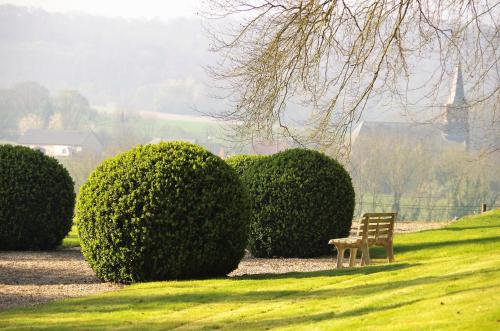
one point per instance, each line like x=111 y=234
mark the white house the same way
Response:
x=61 y=143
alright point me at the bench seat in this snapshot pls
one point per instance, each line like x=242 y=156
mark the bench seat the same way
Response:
x=373 y=229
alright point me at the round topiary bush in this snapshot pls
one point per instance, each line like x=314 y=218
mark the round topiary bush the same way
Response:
x=300 y=199
x=165 y=211
x=241 y=162
x=36 y=200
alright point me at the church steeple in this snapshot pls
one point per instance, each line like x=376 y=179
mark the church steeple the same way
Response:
x=456 y=123
x=457 y=95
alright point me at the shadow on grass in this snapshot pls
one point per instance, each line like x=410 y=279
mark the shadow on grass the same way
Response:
x=402 y=247
x=161 y=304
x=12 y=300
x=463 y=228
x=259 y=322
x=378 y=252
x=161 y=298
x=264 y=323
x=301 y=319
x=328 y=273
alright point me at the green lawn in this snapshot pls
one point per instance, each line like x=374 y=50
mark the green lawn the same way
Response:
x=72 y=239
x=447 y=279
x=163 y=128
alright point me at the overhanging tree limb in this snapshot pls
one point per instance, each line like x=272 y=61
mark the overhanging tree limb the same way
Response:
x=333 y=55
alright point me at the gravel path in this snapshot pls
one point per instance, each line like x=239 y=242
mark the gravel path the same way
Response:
x=28 y=278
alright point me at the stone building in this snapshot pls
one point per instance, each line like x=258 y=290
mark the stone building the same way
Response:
x=459 y=126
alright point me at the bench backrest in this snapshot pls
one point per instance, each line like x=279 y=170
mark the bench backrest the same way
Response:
x=375 y=227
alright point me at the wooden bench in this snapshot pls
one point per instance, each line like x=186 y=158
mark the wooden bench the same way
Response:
x=373 y=229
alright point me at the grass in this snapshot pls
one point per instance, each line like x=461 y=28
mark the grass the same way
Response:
x=164 y=128
x=447 y=279
x=72 y=239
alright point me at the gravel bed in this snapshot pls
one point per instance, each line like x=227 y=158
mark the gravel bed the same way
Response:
x=28 y=278
x=252 y=266
x=412 y=226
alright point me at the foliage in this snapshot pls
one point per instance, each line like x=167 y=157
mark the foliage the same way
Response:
x=29 y=102
x=242 y=162
x=73 y=111
x=439 y=183
x=36 y=200
x=29 y=106
x=446 y=270
x=300 y=199
x=166 y=211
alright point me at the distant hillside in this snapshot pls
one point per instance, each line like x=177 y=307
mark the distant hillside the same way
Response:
x=155 y=65
x=145 y=64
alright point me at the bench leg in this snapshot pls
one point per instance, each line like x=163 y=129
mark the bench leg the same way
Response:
x=365 y=258
x=390 y=251
x=340 y=257
x=352 y=256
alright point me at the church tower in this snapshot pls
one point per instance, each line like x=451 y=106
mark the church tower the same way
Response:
x=456 y=120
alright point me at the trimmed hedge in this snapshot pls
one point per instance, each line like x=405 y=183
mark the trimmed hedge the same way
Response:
x=166 y=211
x=300 y=199
x=36 y=200
x=241 y=162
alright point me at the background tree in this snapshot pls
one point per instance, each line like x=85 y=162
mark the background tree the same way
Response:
x=56 y=121
x=30 y=121
x=30 y=98
x=75 y=110
x=27 y=102
x=334 y=55
x=421 y=181
x=29 y=105
x=467 y=183
x=386 y=171
x=7 y=117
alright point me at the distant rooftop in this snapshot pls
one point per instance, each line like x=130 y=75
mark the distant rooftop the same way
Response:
x=427 y=133
x=406 y=129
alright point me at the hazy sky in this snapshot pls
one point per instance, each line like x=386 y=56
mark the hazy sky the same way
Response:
x=163 y=9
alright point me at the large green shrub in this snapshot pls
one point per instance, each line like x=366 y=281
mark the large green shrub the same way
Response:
x=166 y=211
x=300 y=199
x=241 y=162
x=36 y=200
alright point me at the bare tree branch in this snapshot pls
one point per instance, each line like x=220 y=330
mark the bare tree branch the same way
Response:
x=334 y=55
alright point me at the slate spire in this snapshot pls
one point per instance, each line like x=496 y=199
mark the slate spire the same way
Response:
x=456 y=126
x=457 y=95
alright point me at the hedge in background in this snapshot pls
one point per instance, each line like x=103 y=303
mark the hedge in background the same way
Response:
x=36 y=200
x=166 y=211
x=241 y=162
x=300 y=199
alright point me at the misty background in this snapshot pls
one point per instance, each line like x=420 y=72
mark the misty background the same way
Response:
x=96 y=78
x=132 y=63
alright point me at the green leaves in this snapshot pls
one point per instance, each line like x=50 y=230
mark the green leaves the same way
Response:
x=240 y=163
x=300 y=199
x=165 y=211
x=36 y=200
